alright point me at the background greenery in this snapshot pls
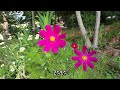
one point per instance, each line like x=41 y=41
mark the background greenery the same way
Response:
x=33 y=63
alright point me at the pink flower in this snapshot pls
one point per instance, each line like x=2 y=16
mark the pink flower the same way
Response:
x=52 y=38
x=84 y=59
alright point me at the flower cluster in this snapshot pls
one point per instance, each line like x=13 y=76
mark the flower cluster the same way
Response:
x=22 y=49
x=52 y=39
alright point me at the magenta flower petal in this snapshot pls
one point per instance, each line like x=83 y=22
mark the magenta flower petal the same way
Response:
x=77 y=52
x=84 y=48
x=62 y=43
x=53 y=40
x=78 y=64
x=92 y=53
x=41 y=42
x=57 y=29
x=93 y=59
x=43 y=34
x=55 y=48
x=47 y=47
x=62 y=36
x=49 y=28
x=90 y=64
x=75 y=58
x=84 y=66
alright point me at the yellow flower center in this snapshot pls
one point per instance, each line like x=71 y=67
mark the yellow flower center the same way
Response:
x=84 y=58
x=52 y=38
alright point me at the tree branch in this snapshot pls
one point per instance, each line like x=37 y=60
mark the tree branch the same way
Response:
x=97 y=25
x=82 y=28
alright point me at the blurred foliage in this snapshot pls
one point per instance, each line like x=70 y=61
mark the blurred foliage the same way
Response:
x=44 y=18
x=68 y=17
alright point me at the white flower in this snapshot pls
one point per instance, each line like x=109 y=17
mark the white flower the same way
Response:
x=29 y=59
x=37 y=36
x=22 y=49
x=47 y=55
x=12 y=69
x=30 y=37
x=1 y=37
x=108 y=17
x=24 y=25
x=2 y=65
x=20 y=38
x=1 y=24
x=13 y=25
x=26 y=29
x=2 y=43
x=21 y=34
x=18 y=26
x=41 y=76
x=113 y=16
x=22 y=57
x=10 y=38
x=21 y=67
x=13 y=63
x=37 y=23
x=4 y=47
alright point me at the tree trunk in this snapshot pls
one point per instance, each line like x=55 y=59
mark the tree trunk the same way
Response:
x=97 y=25
x=82 y=28
x=33 y=20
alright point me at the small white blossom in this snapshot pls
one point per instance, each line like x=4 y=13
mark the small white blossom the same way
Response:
x=41 y=76
x=18 y=26
x=22 y=57
x=20 y=38
x=13 y=63
x=13 y=25
x=22 y=49
x=2 y=43
x=108 y=17
x=2 y=65
x=29 y=59
x=47 y=55
x=37 y=23
x=37 y=36
x=113 y=16
x=26 y=29
x=10 y=38
x=30 y=37
x=4 y=47
x=12 y=69
x=1 y=37
x=21 y=34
